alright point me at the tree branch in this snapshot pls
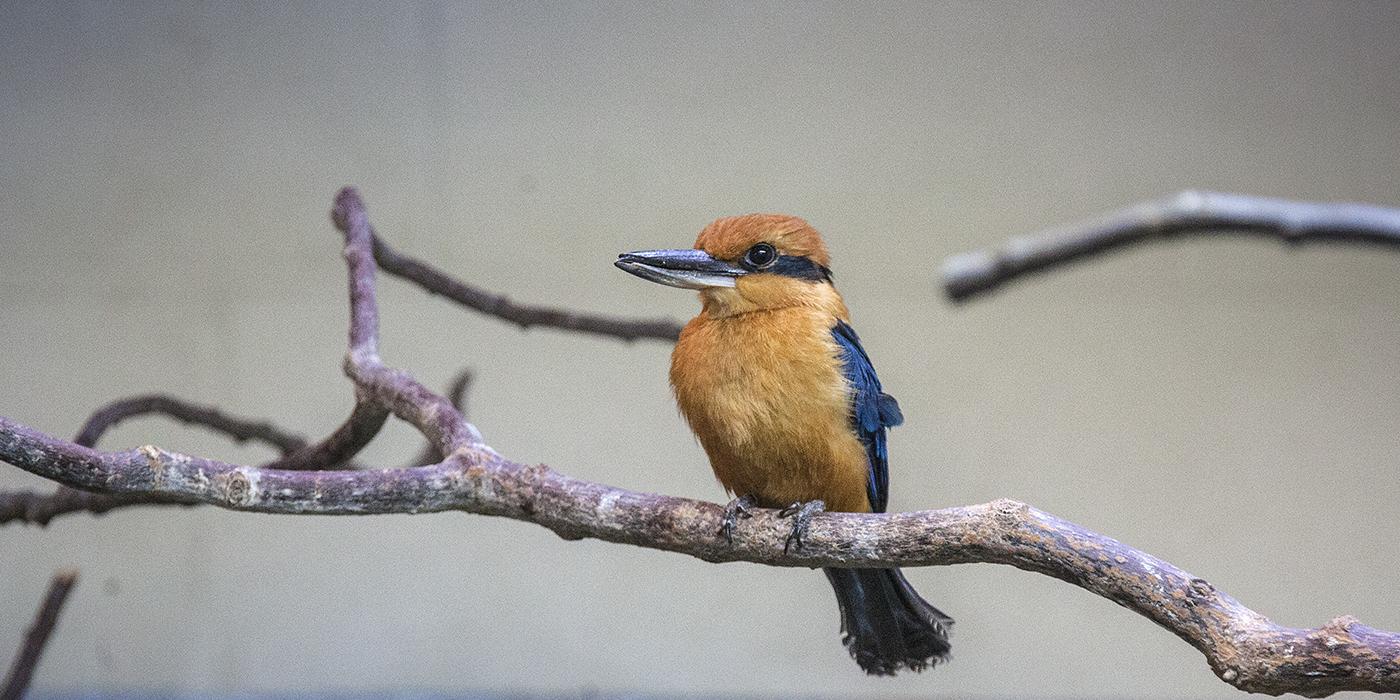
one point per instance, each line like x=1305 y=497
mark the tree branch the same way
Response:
x=33 y=507
x=336 y=450
x=457 y=396
x=1189 y=213
x=523 y=315
x=238 y=429
x=22 y=670
x=364 y=423
x=1243 y=648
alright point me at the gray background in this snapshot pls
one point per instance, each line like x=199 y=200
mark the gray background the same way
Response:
x=165 y=174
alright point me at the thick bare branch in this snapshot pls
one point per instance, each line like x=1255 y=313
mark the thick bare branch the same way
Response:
x=22 y=670
x=523 y=315
x=1242 y=647
x=968 y=274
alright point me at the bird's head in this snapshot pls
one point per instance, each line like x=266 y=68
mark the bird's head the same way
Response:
x=745 y=263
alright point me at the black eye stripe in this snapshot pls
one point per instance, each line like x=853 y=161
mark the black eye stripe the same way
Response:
x=800 y=267
x=763 y=257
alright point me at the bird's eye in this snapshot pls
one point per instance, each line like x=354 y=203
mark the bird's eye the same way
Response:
x=761 y=256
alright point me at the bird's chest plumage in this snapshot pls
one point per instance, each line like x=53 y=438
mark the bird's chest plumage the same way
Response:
x=766 y=395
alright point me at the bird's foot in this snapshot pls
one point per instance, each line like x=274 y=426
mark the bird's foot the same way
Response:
x=801 y=514
x=736 y=510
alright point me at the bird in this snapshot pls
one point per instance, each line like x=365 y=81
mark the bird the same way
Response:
x=775 y=384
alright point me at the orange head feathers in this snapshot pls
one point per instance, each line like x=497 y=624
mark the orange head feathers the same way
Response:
x=730 y=237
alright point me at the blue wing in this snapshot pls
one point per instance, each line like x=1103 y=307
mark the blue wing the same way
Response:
x=871 y=412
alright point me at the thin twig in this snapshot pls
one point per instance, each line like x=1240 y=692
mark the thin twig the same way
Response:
x=523 y=315
x=36 y=508
x=457 y=395
x=968 y=274
x=22 y=670
x=239 y=430
x=338 y=448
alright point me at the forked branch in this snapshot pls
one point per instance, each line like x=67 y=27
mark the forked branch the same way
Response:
x=1243 y=648
x=39 y=508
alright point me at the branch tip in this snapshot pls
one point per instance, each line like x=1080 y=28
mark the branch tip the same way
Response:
x=347 y=204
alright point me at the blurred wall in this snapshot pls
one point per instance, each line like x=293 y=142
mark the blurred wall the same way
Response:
x=1228 y=405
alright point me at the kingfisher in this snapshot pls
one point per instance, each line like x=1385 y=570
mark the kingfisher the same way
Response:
x=774 y=383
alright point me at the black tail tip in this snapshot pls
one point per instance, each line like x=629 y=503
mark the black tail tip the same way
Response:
x=920 y=648
x=885 y=625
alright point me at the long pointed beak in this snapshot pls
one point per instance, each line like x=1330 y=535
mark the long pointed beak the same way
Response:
x=687 y=269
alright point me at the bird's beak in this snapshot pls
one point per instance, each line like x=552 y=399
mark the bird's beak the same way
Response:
x=687 y=269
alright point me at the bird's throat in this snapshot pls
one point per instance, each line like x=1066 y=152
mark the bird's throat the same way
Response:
x=755 y=293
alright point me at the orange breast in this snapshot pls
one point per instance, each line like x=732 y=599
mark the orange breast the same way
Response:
x=765 y=394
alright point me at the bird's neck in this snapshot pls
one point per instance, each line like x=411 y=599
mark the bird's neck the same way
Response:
x=730 y=302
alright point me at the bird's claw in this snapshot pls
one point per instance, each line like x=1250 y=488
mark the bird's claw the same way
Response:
x=736 y=510
x=801 y=514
